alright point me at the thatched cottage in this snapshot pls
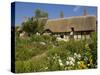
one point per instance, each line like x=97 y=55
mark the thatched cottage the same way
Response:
x=77 y=27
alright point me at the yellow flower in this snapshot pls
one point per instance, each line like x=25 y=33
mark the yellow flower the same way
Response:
x=82 y=65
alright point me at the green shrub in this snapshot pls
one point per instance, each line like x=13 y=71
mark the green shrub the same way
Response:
x=93 y=47
x=19 y=66
x=26 y=48
x=36 y=38
x=33 y=65
x=43 y=38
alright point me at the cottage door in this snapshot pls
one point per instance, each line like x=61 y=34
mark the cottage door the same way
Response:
x=72 y=33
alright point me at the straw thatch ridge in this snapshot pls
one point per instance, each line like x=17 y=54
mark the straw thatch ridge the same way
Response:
x=79 y=23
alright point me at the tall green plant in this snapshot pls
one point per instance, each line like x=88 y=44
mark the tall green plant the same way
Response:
x=30 y=26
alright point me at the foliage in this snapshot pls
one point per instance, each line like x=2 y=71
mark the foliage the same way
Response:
x=33 y=65
x=45 y=53
x=61 y=14
x=43 y=38
x=93 y=47
x=35 y=24
x=40 y=13
x=30 y=26
x=25 y=48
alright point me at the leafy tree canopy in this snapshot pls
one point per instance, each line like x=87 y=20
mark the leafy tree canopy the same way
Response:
x=35 y=24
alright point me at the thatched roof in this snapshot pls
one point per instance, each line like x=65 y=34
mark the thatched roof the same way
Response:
x=79 y=23
x=42 y=20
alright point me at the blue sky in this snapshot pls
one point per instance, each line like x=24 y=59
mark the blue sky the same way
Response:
x=24 y=9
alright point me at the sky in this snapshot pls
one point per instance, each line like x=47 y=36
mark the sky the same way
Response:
x=24 y=9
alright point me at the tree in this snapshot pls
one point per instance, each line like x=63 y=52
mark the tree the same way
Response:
x=40 y=14
x=61 y=14
x=30 y=26
x=35 y=23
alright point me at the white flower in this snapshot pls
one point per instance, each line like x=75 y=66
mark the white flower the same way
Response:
x=88 y=64
x=75 y=54
x=71 y=59
x=67 y=62
x=78 y=62
x=79 y=56
x=60 y=62
x=37 y=33
x=71 y=63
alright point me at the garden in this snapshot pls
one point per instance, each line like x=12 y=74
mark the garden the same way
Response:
x=41 y=53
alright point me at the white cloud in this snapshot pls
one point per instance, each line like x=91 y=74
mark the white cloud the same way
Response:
x=76 y=8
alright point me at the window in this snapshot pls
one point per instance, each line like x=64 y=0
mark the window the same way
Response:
x=62 y=36
x=72 y=29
